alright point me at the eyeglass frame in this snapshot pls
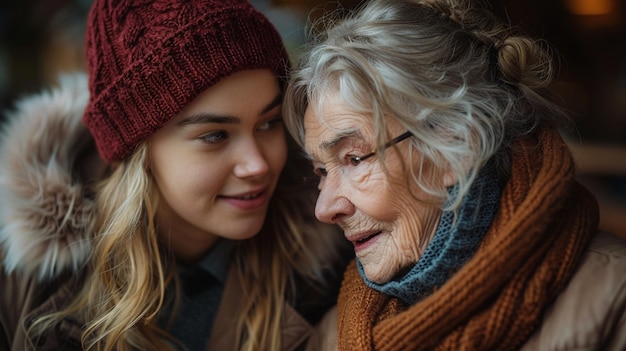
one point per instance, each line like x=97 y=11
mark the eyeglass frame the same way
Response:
x=388 y=144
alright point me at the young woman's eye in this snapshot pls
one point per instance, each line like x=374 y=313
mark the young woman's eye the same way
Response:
x=271 y=124
x=214 y=137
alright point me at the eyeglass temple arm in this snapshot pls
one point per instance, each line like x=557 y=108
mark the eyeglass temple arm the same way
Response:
x=391 y=142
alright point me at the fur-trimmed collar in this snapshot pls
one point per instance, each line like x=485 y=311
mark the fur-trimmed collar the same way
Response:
x=44 y=210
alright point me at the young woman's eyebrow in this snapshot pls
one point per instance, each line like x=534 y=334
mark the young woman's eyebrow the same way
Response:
x=203 y=118
x=277 y=101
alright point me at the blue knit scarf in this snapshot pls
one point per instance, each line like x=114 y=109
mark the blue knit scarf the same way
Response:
x=451 y=247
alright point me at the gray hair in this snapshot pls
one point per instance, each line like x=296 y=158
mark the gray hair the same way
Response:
x=452 y=74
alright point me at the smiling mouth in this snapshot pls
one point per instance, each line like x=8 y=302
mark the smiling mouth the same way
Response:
x=247 y=197
x=247 y=202
x=364 y=239
x=244 y=197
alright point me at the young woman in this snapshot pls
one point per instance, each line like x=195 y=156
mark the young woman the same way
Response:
x=191 y=227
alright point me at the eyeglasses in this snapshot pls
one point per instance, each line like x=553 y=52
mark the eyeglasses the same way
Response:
x=354 y=161
x=391 y=142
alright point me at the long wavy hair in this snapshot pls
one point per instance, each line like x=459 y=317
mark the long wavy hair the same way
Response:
x=125 y=283
x=463 y=82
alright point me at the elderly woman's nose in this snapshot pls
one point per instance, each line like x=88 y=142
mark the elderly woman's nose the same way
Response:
x=331 y=206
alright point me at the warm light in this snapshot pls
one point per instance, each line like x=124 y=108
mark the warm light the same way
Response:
x=590 y=7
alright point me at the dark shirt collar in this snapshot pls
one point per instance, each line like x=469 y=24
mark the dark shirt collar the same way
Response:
x=217 y=261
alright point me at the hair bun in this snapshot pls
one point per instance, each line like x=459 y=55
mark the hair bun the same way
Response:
x=522 y=61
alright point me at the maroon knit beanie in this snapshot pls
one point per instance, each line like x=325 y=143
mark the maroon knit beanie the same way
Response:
x=147 y=60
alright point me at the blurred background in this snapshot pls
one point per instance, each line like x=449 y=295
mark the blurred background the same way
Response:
x=41 y=38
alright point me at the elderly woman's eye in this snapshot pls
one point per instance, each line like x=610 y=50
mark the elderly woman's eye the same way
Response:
x=353 y=160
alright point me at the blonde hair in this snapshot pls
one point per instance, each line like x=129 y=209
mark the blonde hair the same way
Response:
x=124 y=288
x=460 y=80
x=125 y=284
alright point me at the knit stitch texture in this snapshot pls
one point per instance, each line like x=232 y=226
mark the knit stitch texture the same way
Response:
x=148 y=59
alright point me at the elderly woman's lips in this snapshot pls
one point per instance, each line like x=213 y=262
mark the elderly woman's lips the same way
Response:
x=363 y=241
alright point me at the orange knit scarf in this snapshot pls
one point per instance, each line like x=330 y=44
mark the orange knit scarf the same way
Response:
x=497 y=299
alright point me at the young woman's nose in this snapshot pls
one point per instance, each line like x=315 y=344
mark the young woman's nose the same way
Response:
x=251 y=161
x=332 y=206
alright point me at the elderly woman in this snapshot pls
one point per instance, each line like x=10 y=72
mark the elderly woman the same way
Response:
x=429 y=126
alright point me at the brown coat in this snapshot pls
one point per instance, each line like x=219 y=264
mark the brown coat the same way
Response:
x=24 y=300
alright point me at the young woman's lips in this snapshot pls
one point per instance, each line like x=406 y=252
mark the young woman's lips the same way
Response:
x=364 y=241
x=249 y=201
